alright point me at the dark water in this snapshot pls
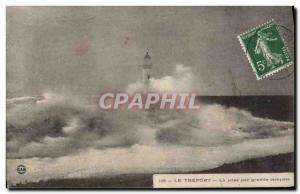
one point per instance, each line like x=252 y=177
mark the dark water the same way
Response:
x=274 y=107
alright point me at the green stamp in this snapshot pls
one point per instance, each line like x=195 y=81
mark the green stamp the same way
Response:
x=265 y=49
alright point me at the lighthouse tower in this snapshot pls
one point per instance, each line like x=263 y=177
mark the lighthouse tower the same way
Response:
x=146 y=69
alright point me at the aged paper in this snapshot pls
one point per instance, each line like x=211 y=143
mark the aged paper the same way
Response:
x=150 y=97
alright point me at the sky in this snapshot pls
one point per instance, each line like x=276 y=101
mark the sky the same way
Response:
x=88 y=50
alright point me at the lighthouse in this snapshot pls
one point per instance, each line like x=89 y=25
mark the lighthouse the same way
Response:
x=146 y=69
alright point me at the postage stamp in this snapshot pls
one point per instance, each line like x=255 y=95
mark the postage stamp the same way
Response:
x=265 y=49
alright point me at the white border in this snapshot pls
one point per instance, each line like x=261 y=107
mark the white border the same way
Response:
x=4 y=3
x=151 y=2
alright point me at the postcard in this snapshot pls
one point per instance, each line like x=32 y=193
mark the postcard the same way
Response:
x=163 y=97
